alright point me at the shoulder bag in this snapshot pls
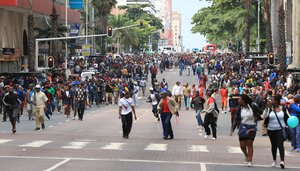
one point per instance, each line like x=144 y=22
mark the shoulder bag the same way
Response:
x=285 y=131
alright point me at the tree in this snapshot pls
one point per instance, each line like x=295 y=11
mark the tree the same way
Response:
x=267 y=21
x=103 y=8
x=31 y=43
x=54 y=33
x=281 y=34
x=248 y=5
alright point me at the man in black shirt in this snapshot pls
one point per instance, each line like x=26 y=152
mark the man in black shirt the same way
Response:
x=11 y=101
x=80 y=99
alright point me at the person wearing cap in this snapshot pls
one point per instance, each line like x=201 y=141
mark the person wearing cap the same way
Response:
x=167 y=107
x=294 y=110
x=39 y=100
x=177 y=92
x=11 y=101
x=135 y=93
x=154 y=99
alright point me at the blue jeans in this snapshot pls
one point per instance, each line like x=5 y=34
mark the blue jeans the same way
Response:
x=48 y=111
x=166 y=124
x=296 y=137
x=187 y=102
x=199 y=119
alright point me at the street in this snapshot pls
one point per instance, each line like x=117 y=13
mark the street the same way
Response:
x=96 y=143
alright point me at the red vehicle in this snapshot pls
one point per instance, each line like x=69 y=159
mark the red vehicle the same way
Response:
x=210 y=48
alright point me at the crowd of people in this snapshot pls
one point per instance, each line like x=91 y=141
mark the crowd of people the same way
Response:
x=250 y=90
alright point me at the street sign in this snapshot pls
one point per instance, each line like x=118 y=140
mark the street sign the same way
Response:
x=76 y=4
x=86 y=50
x=74 y=30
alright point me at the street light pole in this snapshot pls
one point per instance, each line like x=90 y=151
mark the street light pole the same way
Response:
x=258 y=26
x=66 y=44
x=86 y=20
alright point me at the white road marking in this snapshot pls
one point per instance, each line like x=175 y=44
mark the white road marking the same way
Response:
x=198 y=148
x=59 y=123
x=140 y=97
x=202 y=167
x=76 y=145
x=54 y=167
x=136 y=161
x=67 y=120
x=50 y=126
x=37 y=143
x=3 y=141
x=113 y=146
x=234 y=150
x=156 y=147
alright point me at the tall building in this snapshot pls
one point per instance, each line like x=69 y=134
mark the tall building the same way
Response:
x=14 y=25
x=166 y=17
x=176 y=31
x=150 y=8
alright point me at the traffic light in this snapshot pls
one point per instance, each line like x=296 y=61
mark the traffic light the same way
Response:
x=271 y=59
x=50 y=61
x=109 y=31
x=163 y=30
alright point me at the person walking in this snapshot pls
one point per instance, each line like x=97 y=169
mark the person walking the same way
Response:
x=39 y=100
x=67 y=101
x=29 y=93
x=294 y=110
x=276 y=116
x=245 y=120
x=154 y=99
x=80 y=99
x=126 y=108
x=186 y=96
x=167 y=107
x=135 y=93
x=198 y=106
x=224 y=98
x=11 y=102
x=211 y=117
x=177 y=92
x=233 y=104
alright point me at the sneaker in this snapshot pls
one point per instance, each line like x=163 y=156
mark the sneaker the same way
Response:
x=293 y=148
x=282 y=165
x=206 y=136
x=273 y=164
x=66 y=116
x=43 y=126
x=249 y=164
x=246 y=160
x=37 y=128
x=74 y=118
x=298 y=150
x=157 y=120
x=213 y=138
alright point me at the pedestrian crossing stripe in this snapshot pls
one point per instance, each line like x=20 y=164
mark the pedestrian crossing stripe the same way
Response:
x=76 y=145
x=3 y=141
x=236 y=150
x=38 y=143
x=156 y=147
x=198 y=148
x=113 y=146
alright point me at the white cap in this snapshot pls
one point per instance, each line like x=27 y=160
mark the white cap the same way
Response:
x=38 y=86
x=151 y=88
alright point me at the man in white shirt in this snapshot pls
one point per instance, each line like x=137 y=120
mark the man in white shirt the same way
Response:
x=39 y=100
x=135 y=94
x=177 y=93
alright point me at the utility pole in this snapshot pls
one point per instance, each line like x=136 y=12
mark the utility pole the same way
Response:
x=66 y=44
x=258 y=26
x=86 y=20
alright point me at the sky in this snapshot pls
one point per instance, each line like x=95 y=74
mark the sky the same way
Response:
x=188 y=8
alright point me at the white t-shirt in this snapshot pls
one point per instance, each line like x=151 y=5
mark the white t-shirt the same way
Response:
x=153 y=99
x=126 y=105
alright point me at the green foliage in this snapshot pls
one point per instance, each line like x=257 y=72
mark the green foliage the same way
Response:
x=226 y=21
x=135 y=37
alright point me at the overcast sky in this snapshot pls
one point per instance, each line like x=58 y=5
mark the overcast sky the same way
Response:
x=188 y=8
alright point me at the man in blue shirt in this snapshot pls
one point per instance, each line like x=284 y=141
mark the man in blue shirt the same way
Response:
x=294 y=110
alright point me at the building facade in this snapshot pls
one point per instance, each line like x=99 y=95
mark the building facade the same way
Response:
x=176 y=31
x=14 y=28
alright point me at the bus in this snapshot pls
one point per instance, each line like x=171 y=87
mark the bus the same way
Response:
x=210 y=48
x=166 y=50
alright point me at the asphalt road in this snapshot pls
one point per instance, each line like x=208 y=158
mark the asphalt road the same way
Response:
x=96 y=143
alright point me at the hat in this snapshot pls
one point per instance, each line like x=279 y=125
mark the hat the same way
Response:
x=31 y=85
x=164 y=93
x=297 y=96
x=135 y=82
x=151 y=88
x=38 y=86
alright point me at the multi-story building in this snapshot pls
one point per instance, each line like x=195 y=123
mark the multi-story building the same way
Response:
x=14 y=28
x=176 y=31
x=166 y=17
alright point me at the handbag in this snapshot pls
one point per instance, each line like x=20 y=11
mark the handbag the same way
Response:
x=247 y=131
x=285 y=131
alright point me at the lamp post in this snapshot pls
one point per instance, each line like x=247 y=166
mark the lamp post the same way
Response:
x=258 y=25
x=66 y=44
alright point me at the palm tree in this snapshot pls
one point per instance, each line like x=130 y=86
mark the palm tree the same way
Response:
x=54 y=32
x=247 y=6
x=103 y=8
x=281 y=34
x=31 y=43
x=267 y=21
